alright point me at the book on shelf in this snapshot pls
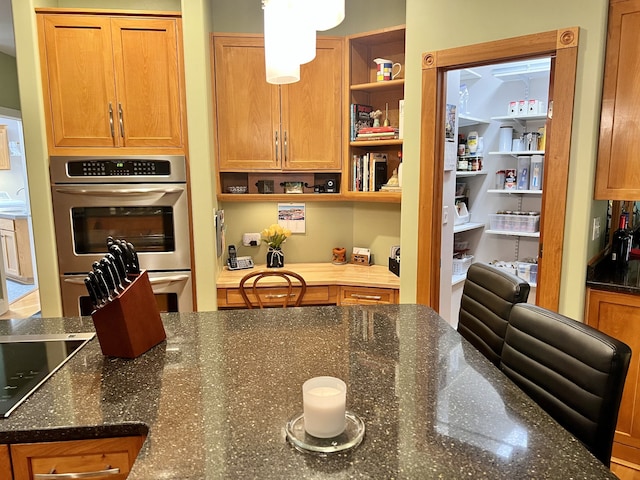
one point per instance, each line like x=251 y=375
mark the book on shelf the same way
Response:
x=369 y=172
x=375 y=136
x=378 y=170
x=360 y=117
x=391 y=134
x=377 y=130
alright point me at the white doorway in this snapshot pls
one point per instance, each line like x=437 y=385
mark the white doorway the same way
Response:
x=18 y=276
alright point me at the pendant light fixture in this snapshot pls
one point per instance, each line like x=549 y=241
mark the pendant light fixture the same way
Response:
x=290 y=34
x=328 y=14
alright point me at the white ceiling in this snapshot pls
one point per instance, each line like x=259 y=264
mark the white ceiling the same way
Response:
x=7 y=43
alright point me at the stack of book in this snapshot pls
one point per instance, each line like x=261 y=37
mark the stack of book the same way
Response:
x=360 y=118
x=369 y=172
x=377 y=133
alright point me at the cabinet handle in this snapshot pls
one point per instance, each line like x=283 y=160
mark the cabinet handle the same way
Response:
x=366 y=297
x=113 y=134
x=286 y=146
x=121 y=120
x=276 y=135
x=57 y=476
x=281 y=295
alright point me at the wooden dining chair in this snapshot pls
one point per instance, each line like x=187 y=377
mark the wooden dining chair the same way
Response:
x=488 y=295
x=573 y=371
x=287 y=292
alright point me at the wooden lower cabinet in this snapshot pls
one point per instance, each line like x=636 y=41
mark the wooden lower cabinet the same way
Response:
x=5 y=463
x=75 y=456
x=16 y=249
x=367 y=295
x=618 y=315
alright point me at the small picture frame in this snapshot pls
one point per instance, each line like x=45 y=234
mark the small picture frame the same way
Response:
x=293 y=187
x=265 y=186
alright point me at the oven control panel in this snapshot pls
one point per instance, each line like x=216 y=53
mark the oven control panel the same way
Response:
x=118 y=168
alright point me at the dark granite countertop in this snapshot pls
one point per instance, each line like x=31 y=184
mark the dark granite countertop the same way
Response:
x=215 y=397
x=604 y=276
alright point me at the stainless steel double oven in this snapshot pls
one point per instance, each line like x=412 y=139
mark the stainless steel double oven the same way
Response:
x=142 y=199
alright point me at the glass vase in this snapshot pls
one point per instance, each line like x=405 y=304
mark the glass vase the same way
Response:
x=275 y=257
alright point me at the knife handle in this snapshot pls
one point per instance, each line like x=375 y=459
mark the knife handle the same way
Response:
x=93 y=295
x=115 y=272
x=119 y=262
x=101 y=287
x=109 y=276
x=135 y=265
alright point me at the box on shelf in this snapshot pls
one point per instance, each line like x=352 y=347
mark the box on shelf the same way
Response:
x=461 y=214
x=528 y=271
x=461 y=265
x=527 y=223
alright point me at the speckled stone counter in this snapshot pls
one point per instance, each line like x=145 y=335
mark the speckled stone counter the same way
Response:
x=604 y=276
x=215 y=397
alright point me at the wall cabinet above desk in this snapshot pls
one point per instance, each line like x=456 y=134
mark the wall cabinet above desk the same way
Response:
x=112 y=84
x=293 y=129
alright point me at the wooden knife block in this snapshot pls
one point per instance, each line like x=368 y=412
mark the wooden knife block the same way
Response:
x=130 y=324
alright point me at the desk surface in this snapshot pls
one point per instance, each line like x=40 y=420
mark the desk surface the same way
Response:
x=324 y=274
x=216 y=395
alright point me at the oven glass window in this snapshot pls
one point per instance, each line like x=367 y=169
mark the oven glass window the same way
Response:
x=149 y=229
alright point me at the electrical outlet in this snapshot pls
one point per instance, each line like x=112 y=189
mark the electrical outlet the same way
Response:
x=251 y=239
x=595 y=231
x=445 y=215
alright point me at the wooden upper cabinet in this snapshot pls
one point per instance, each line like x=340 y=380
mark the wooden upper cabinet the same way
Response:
x=247 y=107
x=112 y=82
x=5 y=158
x=260 y=126
x=617 y=174
x=312 y=111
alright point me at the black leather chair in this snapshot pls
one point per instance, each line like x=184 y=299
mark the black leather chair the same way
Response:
x=488 y=295
x=573 y=371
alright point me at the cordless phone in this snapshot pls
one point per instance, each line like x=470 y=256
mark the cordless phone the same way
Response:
x=233 y=259
x=238 y=263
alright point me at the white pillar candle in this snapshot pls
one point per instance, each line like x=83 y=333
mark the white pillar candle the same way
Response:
x=324 y=400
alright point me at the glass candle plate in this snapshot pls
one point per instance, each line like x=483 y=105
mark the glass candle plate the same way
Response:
x=301 y=440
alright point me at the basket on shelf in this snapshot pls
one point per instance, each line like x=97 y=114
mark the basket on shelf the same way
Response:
x=461 y=265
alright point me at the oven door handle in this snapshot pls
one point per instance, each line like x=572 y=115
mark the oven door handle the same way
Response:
x=152 y=280
x=126 y=192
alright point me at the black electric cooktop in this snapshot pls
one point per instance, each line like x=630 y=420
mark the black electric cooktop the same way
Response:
x=27 y=361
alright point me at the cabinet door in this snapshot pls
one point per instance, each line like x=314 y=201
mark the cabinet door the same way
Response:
x=617 y=175
x=618 y=315
x=76 y=457
x=5 y=160
x=312 y=112
x=247 y=107
x=5 y=463
x=79 y=81
x=147 y=64
x=10 y=253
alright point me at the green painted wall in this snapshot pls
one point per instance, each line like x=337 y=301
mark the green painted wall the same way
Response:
x=434 y=25
x=9 y=96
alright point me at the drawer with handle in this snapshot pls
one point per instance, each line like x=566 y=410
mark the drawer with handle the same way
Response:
x=367 y=295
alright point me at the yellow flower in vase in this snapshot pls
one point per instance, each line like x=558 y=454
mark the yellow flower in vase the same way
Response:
x=274 y=236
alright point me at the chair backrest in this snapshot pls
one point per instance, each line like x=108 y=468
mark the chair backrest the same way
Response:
x=573 y=371
x=282 y=293
x=488 y=295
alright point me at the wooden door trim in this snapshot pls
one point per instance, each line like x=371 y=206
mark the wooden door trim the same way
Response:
x=561 y=44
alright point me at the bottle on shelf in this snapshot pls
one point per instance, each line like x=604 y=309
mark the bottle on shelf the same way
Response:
x=464 y=98
x=621 y=244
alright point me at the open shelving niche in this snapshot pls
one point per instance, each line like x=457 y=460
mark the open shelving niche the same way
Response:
x=362 y=88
